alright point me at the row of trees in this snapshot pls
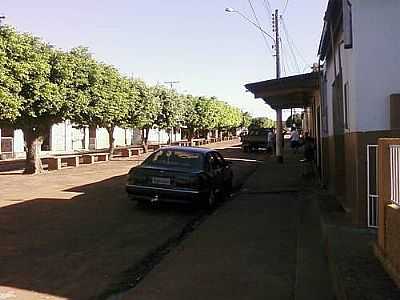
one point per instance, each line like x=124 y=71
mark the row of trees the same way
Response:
x=41 y=86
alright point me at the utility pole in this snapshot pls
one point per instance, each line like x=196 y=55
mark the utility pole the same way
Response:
x=279 y=129
x=171 y=83
x=277 y=45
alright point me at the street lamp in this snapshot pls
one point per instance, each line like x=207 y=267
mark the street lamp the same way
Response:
x=231 y=10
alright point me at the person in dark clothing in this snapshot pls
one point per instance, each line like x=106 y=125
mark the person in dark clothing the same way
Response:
x=309 y=148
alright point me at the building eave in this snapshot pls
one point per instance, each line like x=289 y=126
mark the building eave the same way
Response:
x=288 y=92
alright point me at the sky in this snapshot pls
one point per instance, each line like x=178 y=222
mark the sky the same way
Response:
x=209 y=51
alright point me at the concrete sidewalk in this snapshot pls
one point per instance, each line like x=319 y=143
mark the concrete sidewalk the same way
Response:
x=264 y=244
x=357 y=273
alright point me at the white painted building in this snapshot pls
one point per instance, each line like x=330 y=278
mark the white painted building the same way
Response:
x=360 y=47
x=66 y=138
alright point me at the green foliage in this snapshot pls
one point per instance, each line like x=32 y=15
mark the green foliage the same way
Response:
x=145 y=105
x=30 y=97
x=262 y=122
x=41 y=86
x=172 y=108
x=296 y=120
x=246 y=120
x=109 y=105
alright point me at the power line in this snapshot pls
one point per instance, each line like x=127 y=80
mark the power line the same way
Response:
x=267 y=6
x=292 y=43
x=259 y=25
x=292 y=51
x=284 y=64
x=285 y=7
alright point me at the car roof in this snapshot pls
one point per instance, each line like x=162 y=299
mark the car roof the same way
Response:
x=188 y=149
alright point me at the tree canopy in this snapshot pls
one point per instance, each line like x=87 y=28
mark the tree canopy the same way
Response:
x=41 y=86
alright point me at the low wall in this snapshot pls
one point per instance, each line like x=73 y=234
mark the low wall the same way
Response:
x=387 y=247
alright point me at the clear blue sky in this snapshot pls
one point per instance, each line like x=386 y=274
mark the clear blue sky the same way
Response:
x=195 y=42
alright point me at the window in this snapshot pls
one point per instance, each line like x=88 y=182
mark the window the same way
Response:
x=212 y=162
x=347 y=25
x=219 y=159
x=175 y=158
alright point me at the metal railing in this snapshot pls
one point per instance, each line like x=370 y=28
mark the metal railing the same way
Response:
x=395 y=173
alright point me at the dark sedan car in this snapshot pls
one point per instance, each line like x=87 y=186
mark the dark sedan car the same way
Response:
x=181 y=174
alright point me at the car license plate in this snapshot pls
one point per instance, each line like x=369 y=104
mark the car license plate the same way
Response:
x=161 y=180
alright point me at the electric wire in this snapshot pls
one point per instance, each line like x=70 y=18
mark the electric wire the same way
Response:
x=291 y=50
x=285 y=7
x=285 y=66
x=259 y=25
x=292 y=43
x=268 y=7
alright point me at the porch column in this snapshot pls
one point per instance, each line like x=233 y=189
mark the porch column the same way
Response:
x=279 y=136
x=305 y=120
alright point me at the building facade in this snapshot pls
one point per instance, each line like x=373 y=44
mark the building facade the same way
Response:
x=360 y=83
x=66 y=137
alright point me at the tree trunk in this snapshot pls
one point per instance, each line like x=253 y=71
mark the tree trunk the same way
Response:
x=145 y=138
x=111 y=140
x=169 y=131
x=33 y=164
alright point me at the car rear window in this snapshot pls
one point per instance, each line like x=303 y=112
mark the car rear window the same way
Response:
x=175 y=158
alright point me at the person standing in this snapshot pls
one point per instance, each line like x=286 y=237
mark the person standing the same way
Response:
x=270 y=140
x=294 y=139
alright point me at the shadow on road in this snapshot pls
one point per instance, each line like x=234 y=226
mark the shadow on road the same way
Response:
x=77 y=248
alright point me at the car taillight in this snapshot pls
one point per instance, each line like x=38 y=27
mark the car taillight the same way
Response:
x=136 y=177
x=192 y=182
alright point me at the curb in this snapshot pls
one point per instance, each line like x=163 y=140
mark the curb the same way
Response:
x=337 y=284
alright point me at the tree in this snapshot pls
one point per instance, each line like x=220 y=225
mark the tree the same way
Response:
x=296 y=121
x=262 y=122
x=10 y=101
x=172 y=110
x=246 y=120
x=32 y=98
x=109 y=104
x=143 y=114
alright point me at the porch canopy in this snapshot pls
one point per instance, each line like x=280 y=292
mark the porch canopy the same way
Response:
x=288 y=92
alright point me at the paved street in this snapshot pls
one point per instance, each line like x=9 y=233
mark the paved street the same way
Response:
x=71 y=234
x=82 y=239
x=265 y=244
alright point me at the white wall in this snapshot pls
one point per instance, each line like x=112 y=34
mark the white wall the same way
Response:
x=330 y=78
x=375 y=62
x=101 y=138
x=57 y=137
x=19 y=141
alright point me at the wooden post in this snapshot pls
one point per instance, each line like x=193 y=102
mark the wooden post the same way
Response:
x=384 y=186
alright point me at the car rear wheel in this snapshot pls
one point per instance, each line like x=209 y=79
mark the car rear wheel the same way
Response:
x=210 y=200
x=228 y=189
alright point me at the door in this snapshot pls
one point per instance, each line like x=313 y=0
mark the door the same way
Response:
x=215 y=171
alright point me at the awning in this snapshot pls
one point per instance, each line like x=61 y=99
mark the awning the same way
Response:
x=288 y=92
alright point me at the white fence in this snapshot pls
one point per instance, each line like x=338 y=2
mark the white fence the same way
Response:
x=372 y=186
x=395 y=173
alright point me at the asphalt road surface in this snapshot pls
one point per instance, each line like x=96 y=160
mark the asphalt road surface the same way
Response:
x=93 y=243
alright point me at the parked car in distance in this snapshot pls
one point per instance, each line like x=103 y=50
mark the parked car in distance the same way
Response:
x=255 y=140
x=181 y=175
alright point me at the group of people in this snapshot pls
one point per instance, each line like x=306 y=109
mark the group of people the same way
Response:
x=296 y=141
